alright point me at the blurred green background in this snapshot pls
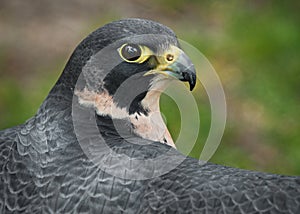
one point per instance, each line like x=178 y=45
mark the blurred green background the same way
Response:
x=253 y=45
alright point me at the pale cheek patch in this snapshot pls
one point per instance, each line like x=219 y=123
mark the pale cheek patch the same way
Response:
x=102 y=102
x=149 y=127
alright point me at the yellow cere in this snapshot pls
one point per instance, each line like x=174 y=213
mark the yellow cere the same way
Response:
x=168 y=57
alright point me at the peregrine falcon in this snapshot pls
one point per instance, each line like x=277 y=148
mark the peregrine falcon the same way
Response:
x=98 y=144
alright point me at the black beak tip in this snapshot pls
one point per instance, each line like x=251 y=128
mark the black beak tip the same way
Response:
x=190 y=76
x=192 y=81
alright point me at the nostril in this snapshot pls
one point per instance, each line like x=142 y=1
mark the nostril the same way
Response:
x=170 y=57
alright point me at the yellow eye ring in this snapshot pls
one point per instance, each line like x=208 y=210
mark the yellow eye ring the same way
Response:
x=134 y=53
x=131 y=52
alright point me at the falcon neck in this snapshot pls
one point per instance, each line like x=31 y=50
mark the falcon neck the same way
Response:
x=151 y=125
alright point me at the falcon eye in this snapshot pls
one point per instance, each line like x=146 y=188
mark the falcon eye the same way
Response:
x=131 y=52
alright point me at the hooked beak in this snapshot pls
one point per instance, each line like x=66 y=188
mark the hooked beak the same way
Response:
x=183 y=69
x=179 y=66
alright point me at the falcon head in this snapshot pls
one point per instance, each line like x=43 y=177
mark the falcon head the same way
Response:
x=121 y=69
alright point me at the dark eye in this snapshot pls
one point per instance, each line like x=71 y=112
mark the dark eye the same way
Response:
x=131 y=52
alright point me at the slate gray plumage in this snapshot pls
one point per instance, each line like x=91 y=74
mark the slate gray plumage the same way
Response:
x=44 y=170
